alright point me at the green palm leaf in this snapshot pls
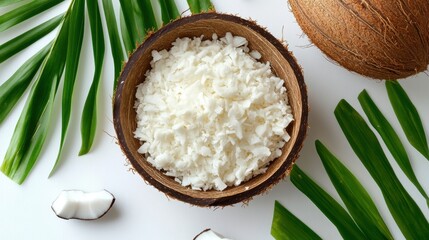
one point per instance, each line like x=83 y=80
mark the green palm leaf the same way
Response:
x=137 y=14
x=25 y=12
x=134 y=32
x=24 y=40
x=286 y=226
x=139 y=18
x=408 y=117
x=128 y=43
x=37 y=140
x=403 y=208
x=390 y=138
x=115 y=42
x=89 y=115
x=11 y=90
x=74 y=45
x=331 y=208
x=149 y=22
x=4 y=3
x=169 y=10
x=31 y=129
x=355 y=197
x=198 y=6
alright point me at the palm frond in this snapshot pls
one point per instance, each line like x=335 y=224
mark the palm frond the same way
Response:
x=408 y=117
x=407 y=215
x=331 y=208
x=24 y=40
x=135 y=34
x=198 y=6
x=128 y=43
x=74 y=45
x=89 y=115
x=363 y=141
x=13 y=88
x=31 y=129
x=355 y=197
x=149 y=21
x=25 y=12
x=286 y=226
x=4 y=3
x=365 y=144
x=115 y=40
x=169 y=10
x=390 y=138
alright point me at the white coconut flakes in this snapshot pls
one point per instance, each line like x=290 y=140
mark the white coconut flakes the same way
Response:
x=209 y=114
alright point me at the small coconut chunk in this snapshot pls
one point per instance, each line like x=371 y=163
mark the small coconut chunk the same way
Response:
x=255 y=54
x=75 y=204
x=208 y=234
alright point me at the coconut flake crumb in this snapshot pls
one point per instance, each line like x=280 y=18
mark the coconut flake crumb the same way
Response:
x=209 y=114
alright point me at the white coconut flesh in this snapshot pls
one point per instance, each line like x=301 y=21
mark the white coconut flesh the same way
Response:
x=75 y=204
x=208 y=234
x=209 y=114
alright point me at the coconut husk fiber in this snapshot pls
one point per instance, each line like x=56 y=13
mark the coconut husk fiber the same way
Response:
x=376 y=38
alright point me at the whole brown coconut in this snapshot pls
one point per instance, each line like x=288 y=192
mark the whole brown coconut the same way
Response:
x=376 y=38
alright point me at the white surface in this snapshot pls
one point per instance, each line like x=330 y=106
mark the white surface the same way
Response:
x=140 y=211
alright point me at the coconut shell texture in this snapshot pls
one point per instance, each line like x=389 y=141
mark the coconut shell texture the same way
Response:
x=376 y=38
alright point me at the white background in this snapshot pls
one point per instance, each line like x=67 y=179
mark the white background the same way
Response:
x=141 y=212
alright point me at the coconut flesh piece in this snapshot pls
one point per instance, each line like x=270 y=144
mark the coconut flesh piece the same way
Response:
x=208 y=234
x=75 y=204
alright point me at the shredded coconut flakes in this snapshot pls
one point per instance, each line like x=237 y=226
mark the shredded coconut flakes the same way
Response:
x=209 y=114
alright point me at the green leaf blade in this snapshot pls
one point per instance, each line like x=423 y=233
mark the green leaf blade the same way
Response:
x=286 y=226
x=4 y=3
x=37 y=141
x=331 y=208
x=139 y=18
x=89 y=115
x=129 y=10
x=363 y=141
x=74 y=46
x=24 y=40
x=169 y=10
x=198 y=6
x=128 y=43
x=148 y=15
x=30 y=131
x=206 y=5
x=408 y=117
x=139 y=25
x=194 y=6
x=25 y=12
x=390 y=138
x=115 y=42
x=13 y=88
x=355 y=197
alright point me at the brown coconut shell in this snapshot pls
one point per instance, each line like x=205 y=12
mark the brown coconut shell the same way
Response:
x=376 y=38
x=272 y=50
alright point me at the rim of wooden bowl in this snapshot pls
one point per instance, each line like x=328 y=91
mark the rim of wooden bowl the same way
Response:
x=283 y=64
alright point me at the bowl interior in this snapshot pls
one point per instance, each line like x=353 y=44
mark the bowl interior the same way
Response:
x=283 y=65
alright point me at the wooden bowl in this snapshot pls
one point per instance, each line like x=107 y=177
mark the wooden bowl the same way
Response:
x=283 y=65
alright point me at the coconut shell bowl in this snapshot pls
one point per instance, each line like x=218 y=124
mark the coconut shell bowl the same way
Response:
x=283 y=65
